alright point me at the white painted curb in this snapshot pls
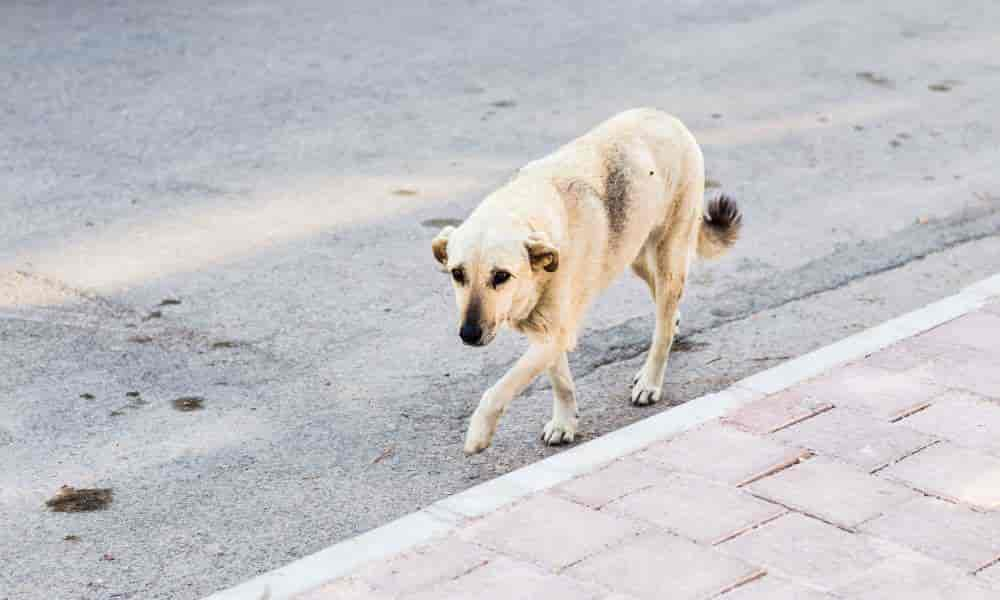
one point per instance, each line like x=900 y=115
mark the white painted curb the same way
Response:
x=448 y=514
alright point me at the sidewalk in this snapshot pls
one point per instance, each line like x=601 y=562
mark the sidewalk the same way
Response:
x=876 y=479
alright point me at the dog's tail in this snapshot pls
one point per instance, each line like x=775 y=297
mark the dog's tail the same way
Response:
x=720 y=227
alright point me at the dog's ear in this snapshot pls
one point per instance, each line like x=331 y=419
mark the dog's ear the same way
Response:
x=541 y=251
x=440 y=245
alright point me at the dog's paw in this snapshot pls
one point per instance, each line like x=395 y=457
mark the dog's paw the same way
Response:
x=559 y=432
x=480 y=433
x=643 y=394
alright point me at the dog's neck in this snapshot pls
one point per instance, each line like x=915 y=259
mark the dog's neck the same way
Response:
x=536 y=316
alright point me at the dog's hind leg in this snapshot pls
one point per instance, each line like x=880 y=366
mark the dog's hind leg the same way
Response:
x=562 y=427
x=641 y=267
x=644 y=273
x=670 y=256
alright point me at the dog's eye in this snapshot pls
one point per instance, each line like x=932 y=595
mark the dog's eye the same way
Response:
x=458 y=275
x=500 y=277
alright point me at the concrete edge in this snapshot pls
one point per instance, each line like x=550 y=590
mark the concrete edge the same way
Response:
x=448 y=514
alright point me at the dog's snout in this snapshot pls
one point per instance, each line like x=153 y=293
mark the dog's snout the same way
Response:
x=471 y=333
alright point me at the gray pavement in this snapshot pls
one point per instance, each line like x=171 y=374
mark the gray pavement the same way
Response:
x=272 y=166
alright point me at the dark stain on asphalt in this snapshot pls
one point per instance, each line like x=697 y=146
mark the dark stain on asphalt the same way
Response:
x=169 y=302
x=875 y=79
x=711 y=184
x=71 y=499
x=944 y=86
x=506 y=103
x=87 y=396
x=140 y=339
x=153 y=314
x=438 y=223
x=189 y=403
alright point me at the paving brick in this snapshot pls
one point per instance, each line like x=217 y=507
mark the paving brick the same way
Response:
x=698 y=509
x=805 y=548
x=906 y=354
x=966 y=369
x=658 y=565
x=948 y=532
x=775 y=412
x=424 y=566
x=975 y=330
x=915 y=577
x=859 y=386
x=951 y=472
x=855 y=437
x=990 y=576
x=832 y=491
x=506 y=579
x=723 y=453
x=772 y=587
x=348 y=588
x=549 y=530
x=973 y=423
x=621 y=477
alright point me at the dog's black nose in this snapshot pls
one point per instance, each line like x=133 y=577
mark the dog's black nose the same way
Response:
x=471 y=333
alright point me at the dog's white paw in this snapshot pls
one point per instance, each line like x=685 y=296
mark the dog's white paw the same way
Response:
x=643 y=394
x=558 y=432
x=480 y=433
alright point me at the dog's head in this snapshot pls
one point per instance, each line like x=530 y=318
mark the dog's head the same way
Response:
x=496 y=274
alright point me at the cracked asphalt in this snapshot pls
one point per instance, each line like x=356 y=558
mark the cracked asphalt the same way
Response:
x=278 y=170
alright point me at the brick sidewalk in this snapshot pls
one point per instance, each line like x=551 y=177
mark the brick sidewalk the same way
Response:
x=879 y=479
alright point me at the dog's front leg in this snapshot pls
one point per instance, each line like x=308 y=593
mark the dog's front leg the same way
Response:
x=493 y=405
x=562 y=427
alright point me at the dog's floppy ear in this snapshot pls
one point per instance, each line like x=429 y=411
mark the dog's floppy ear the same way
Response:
x=440 y=245
x=542 y=253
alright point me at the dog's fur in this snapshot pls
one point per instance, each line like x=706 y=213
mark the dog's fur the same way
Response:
x=629 y=192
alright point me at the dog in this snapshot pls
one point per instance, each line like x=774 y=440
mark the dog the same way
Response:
x=536 y=252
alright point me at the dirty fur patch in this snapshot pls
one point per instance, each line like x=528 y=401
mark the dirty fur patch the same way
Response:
x=617 y=192
x=71 y=499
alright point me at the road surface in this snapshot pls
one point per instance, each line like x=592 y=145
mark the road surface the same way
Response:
x=275 y=171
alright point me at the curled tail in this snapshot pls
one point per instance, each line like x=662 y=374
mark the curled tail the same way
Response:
x=720 y=227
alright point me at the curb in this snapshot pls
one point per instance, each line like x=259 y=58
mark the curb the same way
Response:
x=448 y=514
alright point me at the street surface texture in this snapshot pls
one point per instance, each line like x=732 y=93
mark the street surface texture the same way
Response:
x=875 y=480
x=233 y=204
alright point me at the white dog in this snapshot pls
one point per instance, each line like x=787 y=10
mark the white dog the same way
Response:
x=537 y=251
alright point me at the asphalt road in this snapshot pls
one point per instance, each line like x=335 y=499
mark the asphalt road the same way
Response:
x=279 y=169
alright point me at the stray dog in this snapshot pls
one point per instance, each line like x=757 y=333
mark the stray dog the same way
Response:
x=536 y=253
